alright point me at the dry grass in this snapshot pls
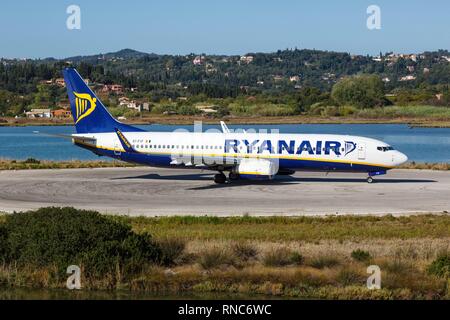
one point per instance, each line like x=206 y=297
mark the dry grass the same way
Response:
x=317 y=264
x=74 y=164
x=427 y=166
x=309 y=229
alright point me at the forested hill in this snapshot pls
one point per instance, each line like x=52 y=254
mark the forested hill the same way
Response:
x=283 y=70
x=281 y=73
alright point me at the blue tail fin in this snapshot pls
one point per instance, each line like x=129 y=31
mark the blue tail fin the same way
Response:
x=88 y=112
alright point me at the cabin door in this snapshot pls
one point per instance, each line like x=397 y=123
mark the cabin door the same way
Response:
x=361 y=151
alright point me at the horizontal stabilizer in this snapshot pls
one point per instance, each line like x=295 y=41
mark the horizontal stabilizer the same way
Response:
x=65 y=136
x=124 y=142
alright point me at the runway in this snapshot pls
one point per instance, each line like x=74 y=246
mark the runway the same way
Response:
x=160 y=192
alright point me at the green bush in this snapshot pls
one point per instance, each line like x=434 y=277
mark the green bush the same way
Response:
x=296 y=258
x=363 y=91
x=322 y=262
x=3 y=243
x=360 y=255
x=65 y=236
x=279 y=257
x=440 y=266
x=32 y=161
x=214 y=258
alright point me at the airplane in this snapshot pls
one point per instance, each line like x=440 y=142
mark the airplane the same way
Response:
x=243 y=155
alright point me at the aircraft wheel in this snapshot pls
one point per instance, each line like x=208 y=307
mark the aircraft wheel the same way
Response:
x=233 y=176
x=220 y=178
x=370 y=180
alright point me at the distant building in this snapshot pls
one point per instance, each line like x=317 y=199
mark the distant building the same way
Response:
x=146 y=106
x=277 y=78
x=246 y=59
x=114 y=88
x=408 y=78
x=206 y=109
x=61 y=113
x=60 y=82
x=198 y=60
x=123 y=101
x=386 y=79
x=294 y=79
x=47 y=82
x=39 y=113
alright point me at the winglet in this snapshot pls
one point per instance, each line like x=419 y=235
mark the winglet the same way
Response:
x=224 y=127
x=124 y=142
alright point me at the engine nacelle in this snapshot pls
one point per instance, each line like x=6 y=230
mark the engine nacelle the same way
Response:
x=257 y=168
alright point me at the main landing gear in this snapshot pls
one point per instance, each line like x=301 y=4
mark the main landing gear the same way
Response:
x=220 y=178
x=233 y=176
x=370 y=180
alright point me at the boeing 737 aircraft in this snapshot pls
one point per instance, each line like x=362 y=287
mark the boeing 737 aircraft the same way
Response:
x=243 y=155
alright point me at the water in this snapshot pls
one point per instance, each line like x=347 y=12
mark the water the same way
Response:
x=7 y=293
x=420 y=144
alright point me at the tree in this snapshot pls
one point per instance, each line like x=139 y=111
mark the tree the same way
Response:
x=364 y=91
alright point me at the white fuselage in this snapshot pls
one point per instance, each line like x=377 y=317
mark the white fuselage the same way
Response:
x=292 y=151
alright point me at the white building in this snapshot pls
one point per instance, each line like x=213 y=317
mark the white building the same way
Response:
x=247 y=59
x=39 y=113
x=408 y=78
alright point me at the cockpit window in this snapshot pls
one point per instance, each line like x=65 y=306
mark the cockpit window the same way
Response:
x=384 y=149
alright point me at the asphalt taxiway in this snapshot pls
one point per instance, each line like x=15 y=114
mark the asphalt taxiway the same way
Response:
x=159 y=192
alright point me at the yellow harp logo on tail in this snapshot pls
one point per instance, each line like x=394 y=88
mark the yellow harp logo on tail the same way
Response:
x=84 y=105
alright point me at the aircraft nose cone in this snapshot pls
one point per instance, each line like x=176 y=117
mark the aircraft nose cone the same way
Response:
x=401 y=158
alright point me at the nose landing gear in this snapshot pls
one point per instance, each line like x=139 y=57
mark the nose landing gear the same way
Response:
x=375 y=173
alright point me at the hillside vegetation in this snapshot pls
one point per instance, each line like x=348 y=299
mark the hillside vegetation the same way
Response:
x=284 y=83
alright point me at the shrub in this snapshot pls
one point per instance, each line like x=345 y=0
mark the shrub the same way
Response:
x=440 y=266
x=347 y=277
x=171 y=250
x=3 y=244
x=324 y=262
x=64 y=236
x=360 y=255
x=279 y=257
x=359 y=91
x=32 y=161
x=296 y=258
x=214 y=258
x=244 y=251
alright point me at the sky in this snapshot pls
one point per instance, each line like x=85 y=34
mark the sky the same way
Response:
x=37 y=29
